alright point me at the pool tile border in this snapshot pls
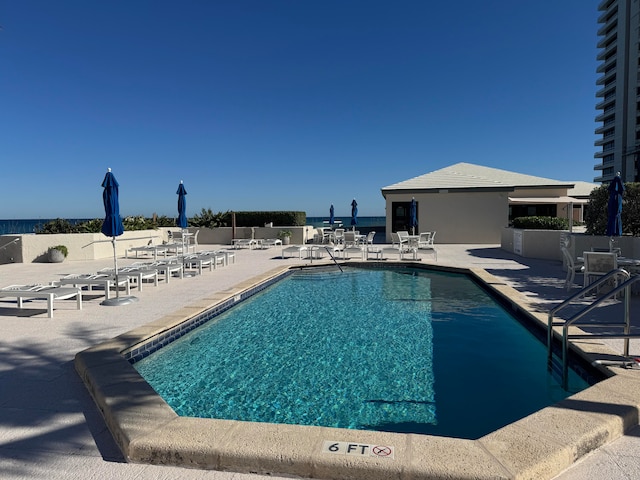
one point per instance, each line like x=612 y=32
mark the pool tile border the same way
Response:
x=538 y=446
x=173 y=333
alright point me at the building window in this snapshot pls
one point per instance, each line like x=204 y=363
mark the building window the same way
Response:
x=534 y=210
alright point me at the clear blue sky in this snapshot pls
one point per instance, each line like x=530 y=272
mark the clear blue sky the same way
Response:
x=284 y=105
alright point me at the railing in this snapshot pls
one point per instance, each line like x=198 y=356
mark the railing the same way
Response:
x=626 y=325
x=333 y=258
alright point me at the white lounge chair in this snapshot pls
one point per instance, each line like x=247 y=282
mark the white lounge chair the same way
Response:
x=198 y=262
x=249 y=243
x=291 y=249
x=154 y=250
x=135 y=274
x=50 y=293
x=219 y=257
x=271 y=242
x=166 y=268
x=106 y=281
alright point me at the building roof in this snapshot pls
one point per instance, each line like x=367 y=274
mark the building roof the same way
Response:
x=582 y=189
x=469 y=176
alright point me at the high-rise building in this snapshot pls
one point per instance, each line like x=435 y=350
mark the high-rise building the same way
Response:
x=618 y=91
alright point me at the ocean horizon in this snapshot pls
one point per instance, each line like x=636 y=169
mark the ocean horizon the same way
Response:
x=28 y=225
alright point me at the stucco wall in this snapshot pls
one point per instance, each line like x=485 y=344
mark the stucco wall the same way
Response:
x=89 y=246
x=81 y=246
x=545 y=244
x=457 y=217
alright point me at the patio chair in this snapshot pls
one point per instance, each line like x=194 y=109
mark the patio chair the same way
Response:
x=50 y=293
x=349 y=238
x=572 y=268
x=401 y=246
x=371 y=249
x=404 y=235
x=351 y=245
x=598 y=264
x=425 y=242
x=193 y=241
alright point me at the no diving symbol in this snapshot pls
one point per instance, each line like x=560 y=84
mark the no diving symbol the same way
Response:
x=381 y=451
x=358 y=449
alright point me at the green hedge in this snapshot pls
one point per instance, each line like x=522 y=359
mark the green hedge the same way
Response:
x=541 y=223
x=206 y=219
x=258 y=219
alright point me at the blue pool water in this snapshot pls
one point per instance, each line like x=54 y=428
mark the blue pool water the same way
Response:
x=402 y=350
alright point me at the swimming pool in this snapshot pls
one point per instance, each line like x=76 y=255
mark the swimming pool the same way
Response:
x=394 y=349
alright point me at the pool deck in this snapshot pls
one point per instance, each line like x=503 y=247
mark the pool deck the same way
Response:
x=50 y=426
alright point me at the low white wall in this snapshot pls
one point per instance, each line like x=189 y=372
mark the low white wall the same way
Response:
x=30 y=248
x=82 y=246
x=545 y=244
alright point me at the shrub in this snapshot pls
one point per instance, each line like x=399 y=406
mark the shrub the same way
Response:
x=62 y=249
x=59 y=225
x=595 y=215
x=541 y=223
x=208 y=219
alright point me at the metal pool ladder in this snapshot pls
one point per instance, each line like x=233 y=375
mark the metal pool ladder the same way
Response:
x=626 y=334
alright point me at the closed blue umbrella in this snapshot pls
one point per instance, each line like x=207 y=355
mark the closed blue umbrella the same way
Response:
x=182 y=206
x=413 y=218
x=112 y=225
x=332 y=217
x=614 y=207
x=354 y=213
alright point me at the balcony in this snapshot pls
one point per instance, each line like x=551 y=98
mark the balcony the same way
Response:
x=607 y=66
x=609 y=113
x=605 y=53
x=606 y=4
x=611 y=21
x=604 y=91
x=607 y=77
x=609 y=101
x=604 y=139
x=610 y=37
x=603 y=179
x=603 y=16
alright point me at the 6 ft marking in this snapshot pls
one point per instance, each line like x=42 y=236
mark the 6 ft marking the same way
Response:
x=359 y=449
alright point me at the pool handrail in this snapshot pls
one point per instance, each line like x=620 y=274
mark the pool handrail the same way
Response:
x=571 y=299
x=626 y=324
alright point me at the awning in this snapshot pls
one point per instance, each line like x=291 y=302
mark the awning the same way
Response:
x=538 y=200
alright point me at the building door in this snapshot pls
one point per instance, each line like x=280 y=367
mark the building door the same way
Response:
x=400 y=219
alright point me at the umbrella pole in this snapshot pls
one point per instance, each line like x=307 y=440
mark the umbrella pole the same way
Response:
x=115 y=266
x=115 y=302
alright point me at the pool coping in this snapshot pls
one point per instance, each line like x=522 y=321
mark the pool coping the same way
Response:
x=538 y=446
